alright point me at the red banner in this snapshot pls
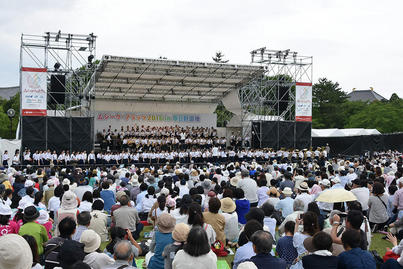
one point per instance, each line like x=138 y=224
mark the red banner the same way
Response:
x=34 y=112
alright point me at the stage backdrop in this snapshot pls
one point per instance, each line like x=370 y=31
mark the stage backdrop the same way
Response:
x=104 y=119
x=117 y=113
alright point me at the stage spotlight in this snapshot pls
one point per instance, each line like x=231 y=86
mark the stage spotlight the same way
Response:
x=57 y=66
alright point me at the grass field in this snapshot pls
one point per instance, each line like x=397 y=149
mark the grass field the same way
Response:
x=377 y=243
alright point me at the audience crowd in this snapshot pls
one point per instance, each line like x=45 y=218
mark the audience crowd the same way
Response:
x=269 y=213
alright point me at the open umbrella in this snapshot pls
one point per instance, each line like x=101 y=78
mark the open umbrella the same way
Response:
x=336 y=196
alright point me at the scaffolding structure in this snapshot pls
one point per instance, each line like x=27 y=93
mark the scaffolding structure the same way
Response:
x=69 y=60
x=69 y=55
x=271 y=96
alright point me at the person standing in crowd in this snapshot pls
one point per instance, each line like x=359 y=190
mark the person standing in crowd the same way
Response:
x=196 y=252
x=378 y=209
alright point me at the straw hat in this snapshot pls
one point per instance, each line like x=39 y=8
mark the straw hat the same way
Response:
x=303 y=186
x=166 y=223
x=91 y=241
x=227 y=205
x=15 y=253
x=180 y=232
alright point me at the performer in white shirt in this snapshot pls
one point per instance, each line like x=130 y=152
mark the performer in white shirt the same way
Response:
x=5 y=159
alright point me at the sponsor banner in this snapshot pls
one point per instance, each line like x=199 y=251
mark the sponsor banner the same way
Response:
x=33 y=91
x=303 y=101
x=104 y=119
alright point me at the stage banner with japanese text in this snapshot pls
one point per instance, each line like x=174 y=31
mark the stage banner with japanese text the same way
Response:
x=104 y=119
x=33 y=91
x=303 y=101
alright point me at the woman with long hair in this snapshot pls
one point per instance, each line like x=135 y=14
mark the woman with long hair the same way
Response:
x=196 y=219
x=196 y=252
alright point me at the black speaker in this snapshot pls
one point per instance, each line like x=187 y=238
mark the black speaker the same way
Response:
x=57 y=89
x=284 y=95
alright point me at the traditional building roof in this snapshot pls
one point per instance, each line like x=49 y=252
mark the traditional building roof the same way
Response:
x=365 y=96
x=8 y=92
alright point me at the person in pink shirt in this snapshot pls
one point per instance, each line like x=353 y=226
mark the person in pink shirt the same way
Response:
x=44 y=220
x=7 y=226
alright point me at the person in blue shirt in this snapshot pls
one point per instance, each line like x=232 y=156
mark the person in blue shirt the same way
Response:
x=262 y=245
x=246 y=252
x=108 y=196
x=286 y=205
x=285 y=248
x=354 y=257
x=242 y=205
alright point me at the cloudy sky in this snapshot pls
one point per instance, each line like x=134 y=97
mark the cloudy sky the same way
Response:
x=356 y=43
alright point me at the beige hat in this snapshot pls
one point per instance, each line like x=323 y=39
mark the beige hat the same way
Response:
x=15 y=253
x=119 y=195
x=227 y=205
x=91 y=241
x=287 y=191
x=180 y=233
x=274 y=191
x=166 y=223
x=69 y=200
x=303 y=186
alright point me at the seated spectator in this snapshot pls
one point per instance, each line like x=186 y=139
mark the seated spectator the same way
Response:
x=285 y=248
x=86 y=202
x=179 y=235
x=196 y=252
x=34 y=229
x=274 y=196
x=7 y=226
x=147 y=203
x=83 y=221
x=231 y=229
x=354 y=257
x=99 y=220
x=67 y=228
x=123 y=256
x=68 y=208
x=215 y=219
x=108 y=196
x=262 y=245
x=320 y=247
x=242 y=205
x=70 y=253
x=181 y=212
x=268 y=220
x=353 y=221
x=34 y=249
x=246 y=252
x=298 y=210
x=162 y=237
x=262 y=192
x=119 y=234
x=127 y=217
x=196 y=219
x=15 y=252
x=92 y=242
x=44 y=220
x=309 y=220
x=286 y=205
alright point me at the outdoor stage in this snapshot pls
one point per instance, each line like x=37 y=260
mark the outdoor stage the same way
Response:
x=79 y=98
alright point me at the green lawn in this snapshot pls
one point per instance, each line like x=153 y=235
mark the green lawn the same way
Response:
x=377 y=243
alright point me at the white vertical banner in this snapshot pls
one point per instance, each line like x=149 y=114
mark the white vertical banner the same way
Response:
x=303 y=101
x=33 y=91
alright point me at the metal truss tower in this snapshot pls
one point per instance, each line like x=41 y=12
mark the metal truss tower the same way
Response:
x=63 y=54
x=271 y=96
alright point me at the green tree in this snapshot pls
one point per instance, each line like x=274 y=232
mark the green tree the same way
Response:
x=327 y=102
x=386 y=117
x=394 y=98
x=13 y=103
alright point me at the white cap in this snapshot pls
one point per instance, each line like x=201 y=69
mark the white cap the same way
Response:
x=28 y=183
x=325 y=182
x=5 y=210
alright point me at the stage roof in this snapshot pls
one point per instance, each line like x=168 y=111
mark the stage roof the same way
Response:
x=167 y=80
